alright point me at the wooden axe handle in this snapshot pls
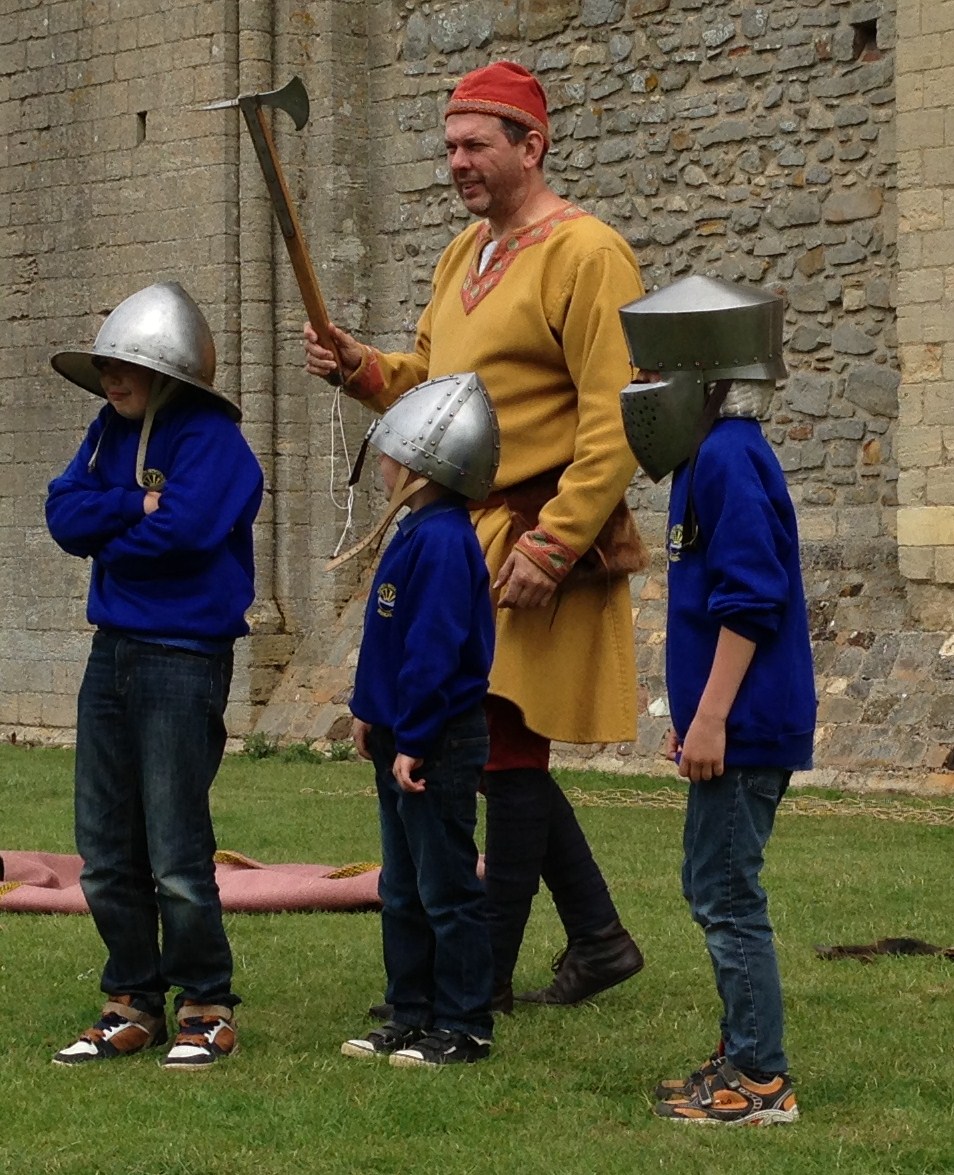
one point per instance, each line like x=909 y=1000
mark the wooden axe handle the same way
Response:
x=298 y=255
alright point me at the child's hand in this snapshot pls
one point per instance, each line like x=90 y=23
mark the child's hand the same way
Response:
x=150 y=503
x=359 y=736
x=403 y=768
x=673 y=746
x=703 y=749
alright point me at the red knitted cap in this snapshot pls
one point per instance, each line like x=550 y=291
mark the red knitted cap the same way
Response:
x=505 y=89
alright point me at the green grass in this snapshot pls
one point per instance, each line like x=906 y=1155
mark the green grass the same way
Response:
x=567 y=1090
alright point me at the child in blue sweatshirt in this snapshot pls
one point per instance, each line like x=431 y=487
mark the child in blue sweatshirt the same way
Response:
x=420 y=684
x=738 y=656
x=160 y=498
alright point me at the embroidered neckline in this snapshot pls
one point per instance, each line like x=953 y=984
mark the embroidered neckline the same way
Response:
x=476 y=285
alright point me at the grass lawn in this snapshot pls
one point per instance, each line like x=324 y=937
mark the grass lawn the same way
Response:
x=566 y=1090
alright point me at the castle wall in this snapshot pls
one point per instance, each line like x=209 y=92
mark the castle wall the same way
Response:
x=801 y=145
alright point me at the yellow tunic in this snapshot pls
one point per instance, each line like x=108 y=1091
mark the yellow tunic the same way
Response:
x=541 y=328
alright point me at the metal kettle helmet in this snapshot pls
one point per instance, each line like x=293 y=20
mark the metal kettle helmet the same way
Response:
x=160 y=328
x=695 y=332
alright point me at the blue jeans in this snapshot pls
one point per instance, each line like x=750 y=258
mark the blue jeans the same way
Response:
x=728 y=823
x=149 y=740
x=434 y=919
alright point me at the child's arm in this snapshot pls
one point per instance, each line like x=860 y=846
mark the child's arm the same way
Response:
x=703 y=748
x=82 y=512
x=214 y=483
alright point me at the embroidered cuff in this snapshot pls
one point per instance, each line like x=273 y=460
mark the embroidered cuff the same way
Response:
x=547 y=552
x=367 y=381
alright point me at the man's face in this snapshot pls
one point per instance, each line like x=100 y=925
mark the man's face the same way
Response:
x=126 y=386
x=488 y=170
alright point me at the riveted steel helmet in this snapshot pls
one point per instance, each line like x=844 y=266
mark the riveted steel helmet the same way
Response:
x=159 y=327
x=446 y=430
x=694 y=333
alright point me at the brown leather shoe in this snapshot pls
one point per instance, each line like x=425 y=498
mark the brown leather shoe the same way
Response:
x=588 y=965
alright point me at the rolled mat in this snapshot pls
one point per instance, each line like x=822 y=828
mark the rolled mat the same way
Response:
x=48 y=883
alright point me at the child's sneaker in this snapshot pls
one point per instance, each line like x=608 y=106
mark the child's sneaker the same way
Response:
x=441 y=1046
x=383 y=1041
x=206 y=1033
x=121 y=1031
x=726 y=1097
x=677 y=1089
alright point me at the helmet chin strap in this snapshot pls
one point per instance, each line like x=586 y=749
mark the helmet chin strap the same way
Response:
x=163 y=386
x=405 y=487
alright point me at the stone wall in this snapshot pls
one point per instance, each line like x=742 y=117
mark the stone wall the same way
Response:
x=107 y=184
x=755 y=142
x=752 y=141
x=925 y=123
x=112 y=179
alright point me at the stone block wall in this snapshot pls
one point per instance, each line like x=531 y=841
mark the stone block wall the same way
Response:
x=756 y=142
x=802 y=145
x=926 y=318
x=111 y=179
x=108 y=183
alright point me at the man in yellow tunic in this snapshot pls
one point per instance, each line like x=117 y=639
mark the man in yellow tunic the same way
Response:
x=528 y=298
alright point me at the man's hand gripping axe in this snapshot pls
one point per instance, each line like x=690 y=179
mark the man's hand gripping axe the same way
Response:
x=293 y=99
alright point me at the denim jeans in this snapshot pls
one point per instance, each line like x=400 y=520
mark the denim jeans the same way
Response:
x=150 y=737
x=728 y=823
x=434 y=918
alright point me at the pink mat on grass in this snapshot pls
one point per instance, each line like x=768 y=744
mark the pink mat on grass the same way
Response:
x=48 y=883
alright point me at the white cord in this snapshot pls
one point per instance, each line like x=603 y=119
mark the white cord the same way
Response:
x=337 y=424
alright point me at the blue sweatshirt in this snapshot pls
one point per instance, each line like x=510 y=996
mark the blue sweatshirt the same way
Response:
x=185 y=572
x=428 y=629
x=744 y=575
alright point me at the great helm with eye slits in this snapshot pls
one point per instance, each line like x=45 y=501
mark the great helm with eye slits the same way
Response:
x=446 y=430
x=159 y=327
x=695 y=332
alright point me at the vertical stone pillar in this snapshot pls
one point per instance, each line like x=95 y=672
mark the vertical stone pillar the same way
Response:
x=327 y=169
x=926 y=290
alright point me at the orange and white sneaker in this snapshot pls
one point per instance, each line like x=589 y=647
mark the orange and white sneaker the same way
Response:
x=678 y=1089
x=121 y=1031
x=726 y=1097
x=206 y=1033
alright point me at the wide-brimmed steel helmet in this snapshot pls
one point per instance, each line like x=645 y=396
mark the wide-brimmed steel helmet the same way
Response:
x=446 y=430
x=694 y=333
x=159 y=327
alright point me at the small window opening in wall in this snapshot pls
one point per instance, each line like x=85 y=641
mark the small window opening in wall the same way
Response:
x=866 y=41
x=140 y=127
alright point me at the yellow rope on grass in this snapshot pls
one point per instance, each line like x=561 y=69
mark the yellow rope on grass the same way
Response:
x=903 y=811
x=793 y=804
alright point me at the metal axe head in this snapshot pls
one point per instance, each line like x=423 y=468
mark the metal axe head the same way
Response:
x=292 y=98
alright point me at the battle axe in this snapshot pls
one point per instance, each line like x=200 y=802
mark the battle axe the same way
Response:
x=293 y=99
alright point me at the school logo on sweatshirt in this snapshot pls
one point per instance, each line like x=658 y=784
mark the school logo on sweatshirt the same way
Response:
x=675 y=543
x=387 y=594
x=153 y=479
